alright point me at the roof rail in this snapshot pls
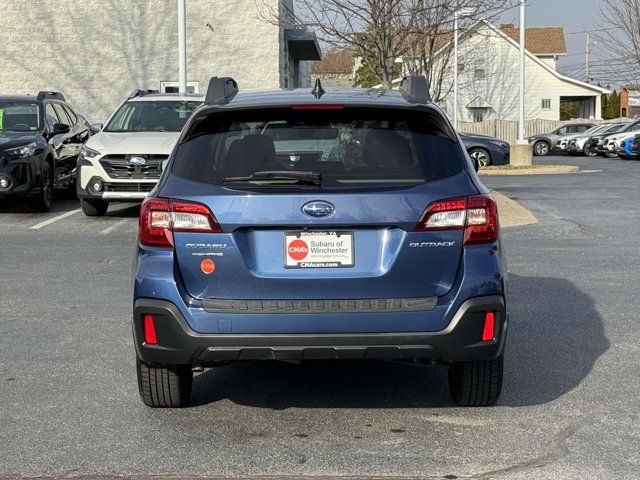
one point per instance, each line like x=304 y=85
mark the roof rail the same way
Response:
x=50 y=95
x=141 y=93
x=221 y=91
x=415 y=89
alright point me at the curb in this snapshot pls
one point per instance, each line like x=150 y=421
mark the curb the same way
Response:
x=545 y=170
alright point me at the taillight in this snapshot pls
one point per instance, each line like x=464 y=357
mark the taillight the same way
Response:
x=477 y=216
x=160 y=217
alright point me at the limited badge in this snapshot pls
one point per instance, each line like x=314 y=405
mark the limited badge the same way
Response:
x=207 y=266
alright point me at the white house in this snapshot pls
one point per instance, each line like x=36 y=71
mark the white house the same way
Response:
x=489 y=76
x=96 y=51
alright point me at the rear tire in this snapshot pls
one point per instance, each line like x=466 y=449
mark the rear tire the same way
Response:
x=541 y=148
x=44 y=199
x=94 y=208
x=477 y=383
x=164 y=386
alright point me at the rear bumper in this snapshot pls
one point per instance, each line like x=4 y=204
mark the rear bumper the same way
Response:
x=179 y=344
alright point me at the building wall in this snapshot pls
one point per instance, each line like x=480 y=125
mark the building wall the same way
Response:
x=97 y=51
x=500 y=60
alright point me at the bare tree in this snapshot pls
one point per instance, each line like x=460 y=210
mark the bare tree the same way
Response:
x=620 y=39
x=378 y=30
x=431 y=52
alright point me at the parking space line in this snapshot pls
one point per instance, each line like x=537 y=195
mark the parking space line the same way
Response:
x=113 y=226
x=54 y=219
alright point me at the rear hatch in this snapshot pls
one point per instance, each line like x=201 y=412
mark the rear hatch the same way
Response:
x=318 y=204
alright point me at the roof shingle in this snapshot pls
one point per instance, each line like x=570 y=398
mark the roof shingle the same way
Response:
x=539 y=41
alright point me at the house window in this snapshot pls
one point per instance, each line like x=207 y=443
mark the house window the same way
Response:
x=478 y=116
x=461 y=67
x=479 y=74
x=546 y=104
x=174 y=87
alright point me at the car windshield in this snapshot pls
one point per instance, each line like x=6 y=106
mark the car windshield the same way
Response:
x=19 y=116
x=152 y=116
x=332 y=148
x=619 y=128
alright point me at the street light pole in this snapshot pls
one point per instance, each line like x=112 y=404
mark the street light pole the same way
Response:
x=182 y=46
x=455 y=69
x=521 y=139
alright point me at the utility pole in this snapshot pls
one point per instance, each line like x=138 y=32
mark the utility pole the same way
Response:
x=455 y=70
x=182 y=46
x=521 y=139
x=587 y=52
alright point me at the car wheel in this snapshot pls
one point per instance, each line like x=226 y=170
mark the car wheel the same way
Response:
x=588 y=152
x=42 y=202
x=94 y=208
x=481 y=155
x=163 y=386
x=541 y=148
x=477 y=383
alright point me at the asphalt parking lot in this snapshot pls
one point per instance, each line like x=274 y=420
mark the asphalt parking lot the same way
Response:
x=68 y=397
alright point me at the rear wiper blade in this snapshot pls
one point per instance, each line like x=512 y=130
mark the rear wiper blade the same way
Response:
x=307 y=178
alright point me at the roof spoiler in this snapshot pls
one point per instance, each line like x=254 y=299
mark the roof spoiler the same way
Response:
x=415 y=89
x=141 y=93
x=50 y=95
x=221 y=91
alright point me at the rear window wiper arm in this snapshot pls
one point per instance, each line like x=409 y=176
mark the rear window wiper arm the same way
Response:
x=308 y=178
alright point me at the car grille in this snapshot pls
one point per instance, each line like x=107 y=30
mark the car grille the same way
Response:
x=128 y=187
x=118 y=166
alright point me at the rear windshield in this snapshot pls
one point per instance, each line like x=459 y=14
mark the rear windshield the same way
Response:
x=152 y=116
x=326 y=148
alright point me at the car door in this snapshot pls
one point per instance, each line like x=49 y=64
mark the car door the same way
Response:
x=56 y=141
x=70 y=148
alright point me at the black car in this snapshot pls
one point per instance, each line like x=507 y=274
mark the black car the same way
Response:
x=40 y=138
x=486 y=150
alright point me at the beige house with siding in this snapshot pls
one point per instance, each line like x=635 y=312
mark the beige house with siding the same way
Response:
x=97 y=51
x=489 y=76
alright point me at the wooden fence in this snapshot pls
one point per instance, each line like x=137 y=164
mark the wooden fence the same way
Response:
x=508 y=130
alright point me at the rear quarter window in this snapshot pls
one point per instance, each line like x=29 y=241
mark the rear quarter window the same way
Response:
x=350 y=147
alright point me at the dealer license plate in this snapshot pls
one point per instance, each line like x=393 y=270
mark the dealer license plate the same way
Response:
x=318 y=249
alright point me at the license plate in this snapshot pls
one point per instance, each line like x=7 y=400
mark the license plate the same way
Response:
x=318 y=250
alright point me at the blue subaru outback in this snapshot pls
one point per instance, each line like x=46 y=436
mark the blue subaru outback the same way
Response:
x=302 y=224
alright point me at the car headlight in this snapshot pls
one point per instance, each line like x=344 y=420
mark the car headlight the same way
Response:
x=499 y=143
x=87 y=153
x=23 y=151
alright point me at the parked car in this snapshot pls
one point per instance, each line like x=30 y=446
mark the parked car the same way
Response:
x=40 y=138
x=610 y=144
x=123 y=162
x=596 y=142
x=387 y=247
x=548 y=142
x=486 y=150
x=580 y=144
x=625 y=148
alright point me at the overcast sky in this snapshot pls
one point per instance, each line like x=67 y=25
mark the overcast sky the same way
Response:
x=573 y=16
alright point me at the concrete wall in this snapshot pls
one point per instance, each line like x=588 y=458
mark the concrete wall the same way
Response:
x=97 y=51
x=500 y=59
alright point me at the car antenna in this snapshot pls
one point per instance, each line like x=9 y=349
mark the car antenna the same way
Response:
x=318 y=91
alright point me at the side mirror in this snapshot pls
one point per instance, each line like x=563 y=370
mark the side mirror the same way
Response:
x=95 y=127
x=60 y=128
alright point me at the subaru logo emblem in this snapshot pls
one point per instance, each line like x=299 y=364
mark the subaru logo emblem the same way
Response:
x=318 y=209
x=137 y=161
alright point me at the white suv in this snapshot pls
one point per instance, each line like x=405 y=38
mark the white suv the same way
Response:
x=124 y=161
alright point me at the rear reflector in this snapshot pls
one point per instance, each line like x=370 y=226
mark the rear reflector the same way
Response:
x=477 y=216
x=488 y=331
x=160 y=217
x=319 y=106
x=149 y=325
